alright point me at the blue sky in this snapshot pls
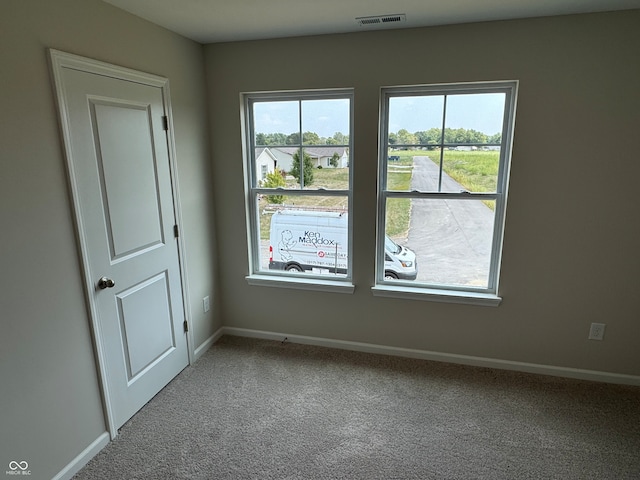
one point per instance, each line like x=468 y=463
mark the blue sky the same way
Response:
x=482 y=112
x=324 y=117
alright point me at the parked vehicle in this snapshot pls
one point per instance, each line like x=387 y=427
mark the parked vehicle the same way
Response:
x=302 y=240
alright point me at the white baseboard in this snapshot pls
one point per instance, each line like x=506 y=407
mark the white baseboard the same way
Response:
x=83 y=458
x=204 y=346
x=593 y=375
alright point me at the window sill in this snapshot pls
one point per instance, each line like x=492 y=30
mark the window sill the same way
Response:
x=434 y=295
x=315 y=284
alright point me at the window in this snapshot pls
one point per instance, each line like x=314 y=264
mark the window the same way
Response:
x=298 y=168
x=443 y=174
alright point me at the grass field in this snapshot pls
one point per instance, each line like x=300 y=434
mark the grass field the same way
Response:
x=476 y=171
x=398 y=209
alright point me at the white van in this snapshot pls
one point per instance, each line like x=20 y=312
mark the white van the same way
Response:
x=301 y=240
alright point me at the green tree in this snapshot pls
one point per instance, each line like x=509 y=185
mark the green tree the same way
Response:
x=496 y=138
x=278 y=139
x=406 y=138
x=271 y=139
x=293 y=139
x=474 y=136
x=311 y=138
x=338 y=138
x=307 y=168
x=333 y=161
x=261 y=139
x=274 y=180
x=462 y=135
x=429 y=137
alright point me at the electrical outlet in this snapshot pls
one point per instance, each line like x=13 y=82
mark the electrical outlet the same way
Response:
x=205 y=304
x=597 y=331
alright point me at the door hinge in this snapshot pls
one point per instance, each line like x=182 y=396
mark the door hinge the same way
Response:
x=165 y=123
x=176 y=233
x=186 y=326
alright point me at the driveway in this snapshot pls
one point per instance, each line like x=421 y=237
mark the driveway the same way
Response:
x=451 y=238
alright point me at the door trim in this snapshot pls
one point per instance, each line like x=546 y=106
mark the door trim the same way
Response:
x=58 y=61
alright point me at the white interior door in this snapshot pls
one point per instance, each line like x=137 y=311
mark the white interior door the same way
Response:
x=119 y=161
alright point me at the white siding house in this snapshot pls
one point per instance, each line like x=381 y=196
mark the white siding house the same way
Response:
x=265 y=163
x=284 y=158
x=320 y=156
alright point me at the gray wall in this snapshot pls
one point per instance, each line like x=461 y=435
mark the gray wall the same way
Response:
x=50 y=406
x=572 y=231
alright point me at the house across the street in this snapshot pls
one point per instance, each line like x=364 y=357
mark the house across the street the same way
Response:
x=269 y=159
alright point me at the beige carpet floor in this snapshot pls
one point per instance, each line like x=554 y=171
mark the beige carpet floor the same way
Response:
x=257 y=409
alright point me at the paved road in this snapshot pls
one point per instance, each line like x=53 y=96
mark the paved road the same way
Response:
x=451 y=238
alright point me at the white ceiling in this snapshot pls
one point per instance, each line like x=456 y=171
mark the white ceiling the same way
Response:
x=209 y=21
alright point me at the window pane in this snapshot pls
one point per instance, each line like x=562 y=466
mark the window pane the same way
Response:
x=276 y=123
x=474 y=118
x=415 y=120
x=451 y=239
x=325 y=126
x=325 y=122
x=304 y=235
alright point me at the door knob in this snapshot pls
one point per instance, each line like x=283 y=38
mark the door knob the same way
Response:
x=105 y=282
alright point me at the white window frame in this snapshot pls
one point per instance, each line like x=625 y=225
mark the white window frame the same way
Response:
x=274 y=278
x=436 y=292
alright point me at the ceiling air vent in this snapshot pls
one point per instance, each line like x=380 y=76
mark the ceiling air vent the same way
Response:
x=381 y=19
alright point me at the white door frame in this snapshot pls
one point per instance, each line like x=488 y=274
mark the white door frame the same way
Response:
x=58 y=62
